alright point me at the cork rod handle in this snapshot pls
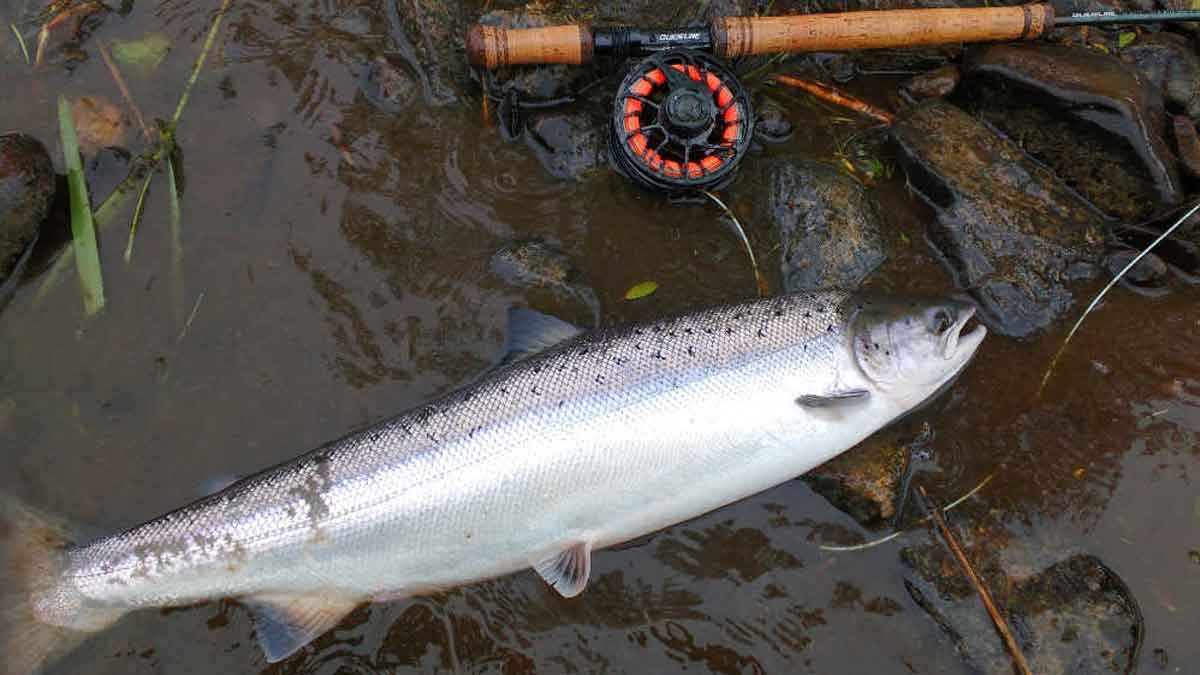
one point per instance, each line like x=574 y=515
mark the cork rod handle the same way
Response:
x=740 y=36
x=491 y=47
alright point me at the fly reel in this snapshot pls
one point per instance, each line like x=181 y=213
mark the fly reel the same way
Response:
x=681 y=123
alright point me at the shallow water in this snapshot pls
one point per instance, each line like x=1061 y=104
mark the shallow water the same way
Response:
x=319 y=296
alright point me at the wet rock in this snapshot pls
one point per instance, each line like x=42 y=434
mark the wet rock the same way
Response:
x=1089 y=87
x=429 y=36
x=1169 y=62
x=1074 y=616
x=388 y=85
x=827 y=223
x=1187 y=144
x=933 y=84
x=866 y=482
x=1010 y=232
x=568 y=145
x=535 y=265
x=772 y=125
x=26 y=190
x=1150 y=275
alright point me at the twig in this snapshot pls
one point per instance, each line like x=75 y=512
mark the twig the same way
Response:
x=191 y=317
x=883 y=540
x=44 y=32
x=1113 y=282
x=760 y=283
x=1001 y=624
x=116 y=75
x=833 y=95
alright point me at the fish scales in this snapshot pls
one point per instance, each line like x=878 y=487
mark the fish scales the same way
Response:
x=319 y=495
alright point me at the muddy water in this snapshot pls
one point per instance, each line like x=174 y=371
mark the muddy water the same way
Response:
x=323 y=290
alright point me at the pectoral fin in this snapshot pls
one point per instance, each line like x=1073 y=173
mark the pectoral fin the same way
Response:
x=567 y=571
x=837 y=398
x=285 y=623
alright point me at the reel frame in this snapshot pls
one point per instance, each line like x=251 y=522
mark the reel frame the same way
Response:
x=681 y=123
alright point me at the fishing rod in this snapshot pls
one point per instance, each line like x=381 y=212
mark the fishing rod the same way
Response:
x=682 y=121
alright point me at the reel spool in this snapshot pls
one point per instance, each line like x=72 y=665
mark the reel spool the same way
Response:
x=681 y=123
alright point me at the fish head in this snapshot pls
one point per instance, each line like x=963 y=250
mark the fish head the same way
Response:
x=909 y=348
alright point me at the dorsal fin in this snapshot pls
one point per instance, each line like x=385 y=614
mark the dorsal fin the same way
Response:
x=285 y=623
x=530 y=332
x=567 y=571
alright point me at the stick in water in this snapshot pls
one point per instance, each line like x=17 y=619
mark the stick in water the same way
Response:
x=1001 y=625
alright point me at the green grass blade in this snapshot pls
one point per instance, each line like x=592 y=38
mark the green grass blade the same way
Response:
x=176 y=223
x=208 y=43
x=20 y=41
x=83 y=231
x=137 y=216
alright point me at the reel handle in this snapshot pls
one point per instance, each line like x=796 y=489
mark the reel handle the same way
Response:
x=740 y=36
x=728 y=37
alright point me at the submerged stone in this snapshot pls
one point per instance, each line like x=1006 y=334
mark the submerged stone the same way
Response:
x=1073 y=616
x=535 y=265
x=866 y=482
x=1090 y=88
x=772 y=124
x=828 y=226
x=1169 y=62
x=1187 y=144
x=1011 y=233
x=935 y=83
x=388 y=85
x=26 y=190
x=568 y=145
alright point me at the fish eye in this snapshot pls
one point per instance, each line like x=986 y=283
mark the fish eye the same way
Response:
x=941 y=321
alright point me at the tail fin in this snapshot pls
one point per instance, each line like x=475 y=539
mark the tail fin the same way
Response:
x=31 y=546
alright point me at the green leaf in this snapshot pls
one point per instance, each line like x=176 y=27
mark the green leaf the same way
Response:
x=1125 y=38
x=641 y=290
x=144 y=54
x=83 y=232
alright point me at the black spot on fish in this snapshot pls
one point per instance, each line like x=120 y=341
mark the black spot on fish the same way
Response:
x=535 y=391
x=876 y=345
x=638 y=331
x=637 y=346
x=778 y=311
x=688 y=331
x=504 y=390
x=808 y=315
x=599 y=379
x=658 y=329
x=561 y=403
x=691 y=351
x=659 y=355
x=830 y=329
x=762 y=333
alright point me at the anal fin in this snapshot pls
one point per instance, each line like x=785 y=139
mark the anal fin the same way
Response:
x=567 y=571
x=285 y=623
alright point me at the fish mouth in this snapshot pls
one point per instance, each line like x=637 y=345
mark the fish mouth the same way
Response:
x=953 y=338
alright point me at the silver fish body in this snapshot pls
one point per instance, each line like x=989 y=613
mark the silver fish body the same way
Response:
x=596 y=440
